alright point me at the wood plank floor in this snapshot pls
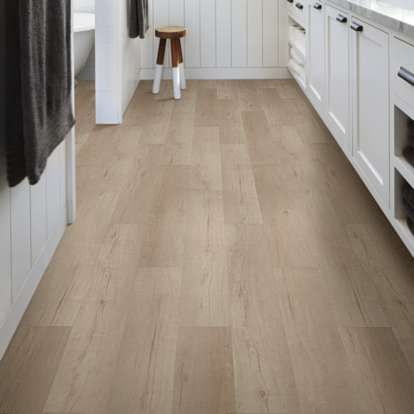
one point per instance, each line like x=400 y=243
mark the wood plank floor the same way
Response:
x=226 y=260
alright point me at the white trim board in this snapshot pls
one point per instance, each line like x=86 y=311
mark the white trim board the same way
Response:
x=225 y=73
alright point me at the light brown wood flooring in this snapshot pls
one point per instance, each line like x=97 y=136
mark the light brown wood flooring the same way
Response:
x=226 y=259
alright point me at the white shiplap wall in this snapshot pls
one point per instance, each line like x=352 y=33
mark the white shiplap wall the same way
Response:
x=226 y=38
x=32 y=221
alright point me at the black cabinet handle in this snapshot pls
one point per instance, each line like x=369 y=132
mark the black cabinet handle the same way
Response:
x=341 y=18
x=406 y=75
x=357 y=27
x=299 y=6
x=317 y=6
x=290 y=1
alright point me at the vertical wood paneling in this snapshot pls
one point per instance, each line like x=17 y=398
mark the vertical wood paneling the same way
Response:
x=5 y=246
x=55 y=191
x=38 y=215
x=270 y=33
x=283 y=52
x=176 y=13
x=223 y=33
x=255 y=33
x=192 y=45
x=208 y=33
x=20 y=236
x=239 y=33
x=32 y=219
x=147 y=45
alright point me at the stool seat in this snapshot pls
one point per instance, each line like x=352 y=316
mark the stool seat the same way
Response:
x=170 y=32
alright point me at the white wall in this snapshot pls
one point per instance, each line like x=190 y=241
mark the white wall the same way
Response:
x=226 y=38
x=32 y=221
x=118 y=61
x=131 y=60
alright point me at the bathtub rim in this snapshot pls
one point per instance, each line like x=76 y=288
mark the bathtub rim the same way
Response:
x=87 y=22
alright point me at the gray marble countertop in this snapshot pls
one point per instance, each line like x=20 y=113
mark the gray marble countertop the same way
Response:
x=395 y=15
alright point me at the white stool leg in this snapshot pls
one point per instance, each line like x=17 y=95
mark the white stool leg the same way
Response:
x=182 y=77
x=157 y=79
x=176 y=82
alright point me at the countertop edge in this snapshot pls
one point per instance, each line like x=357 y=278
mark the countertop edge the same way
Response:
x=381 y=17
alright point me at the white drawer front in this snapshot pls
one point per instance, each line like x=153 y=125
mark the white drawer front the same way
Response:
x=402 y=70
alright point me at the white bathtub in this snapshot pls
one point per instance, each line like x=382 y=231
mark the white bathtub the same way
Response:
x=84 y=38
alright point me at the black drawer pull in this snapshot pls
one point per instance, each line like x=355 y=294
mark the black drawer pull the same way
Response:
x=341 y=18
x=357 y=27
x=290 y=1
x=299 y=6
x=406 y=75
x=317 y=6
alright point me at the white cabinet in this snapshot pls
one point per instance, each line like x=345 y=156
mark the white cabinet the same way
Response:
x=338 y=76
x=370 y=103
x=316 y=55
x=360 y=79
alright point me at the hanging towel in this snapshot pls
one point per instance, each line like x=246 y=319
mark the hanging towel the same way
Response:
x=44 y=87
x=3 y=82
x=13 y=141
x=138 y=18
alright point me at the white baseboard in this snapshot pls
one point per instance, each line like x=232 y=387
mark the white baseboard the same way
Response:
x=224 y=73
x=20 y=305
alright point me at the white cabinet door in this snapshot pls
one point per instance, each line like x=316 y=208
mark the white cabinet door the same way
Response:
x=338 y=76
x=370 y=98
x=316 y=55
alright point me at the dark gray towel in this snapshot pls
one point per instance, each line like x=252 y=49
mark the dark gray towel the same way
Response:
x=138 y=20
x=44 y=87
x=3 y=82
x=13 y=141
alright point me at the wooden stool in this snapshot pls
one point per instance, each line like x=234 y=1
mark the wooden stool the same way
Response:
x=174 y=34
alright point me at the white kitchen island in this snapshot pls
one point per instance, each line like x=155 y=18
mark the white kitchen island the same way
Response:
x=358 y=73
